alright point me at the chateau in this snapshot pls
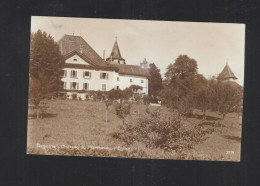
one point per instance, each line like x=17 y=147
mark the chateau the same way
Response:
x=85 y=70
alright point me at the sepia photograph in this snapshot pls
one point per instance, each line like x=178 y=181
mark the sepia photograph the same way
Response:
x=135 y=88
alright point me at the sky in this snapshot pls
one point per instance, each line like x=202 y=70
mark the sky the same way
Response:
x=212 y=45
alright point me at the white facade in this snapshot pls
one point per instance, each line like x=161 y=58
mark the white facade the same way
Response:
x=126 y=81
x=86 y=77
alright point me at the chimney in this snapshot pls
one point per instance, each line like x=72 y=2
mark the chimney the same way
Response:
x=81 y=48
x=104 y=54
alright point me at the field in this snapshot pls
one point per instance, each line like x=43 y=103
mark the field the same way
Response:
x=79 y=128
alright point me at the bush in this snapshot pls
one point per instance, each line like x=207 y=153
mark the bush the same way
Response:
x=122 y=109
x=115 y=94
x=74 y=96
x=154 y=132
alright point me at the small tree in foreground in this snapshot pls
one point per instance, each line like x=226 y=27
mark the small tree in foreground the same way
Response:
x=122 y=110
x=107 y=103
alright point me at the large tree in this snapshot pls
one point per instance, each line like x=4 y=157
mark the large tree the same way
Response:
x=180 y=84
x=155 y=80
x=46 y=64
x=183 y=67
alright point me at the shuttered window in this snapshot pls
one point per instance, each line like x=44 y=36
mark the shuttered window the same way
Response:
x=64 y=73
x=103 y=75
x=85 y=86
x=86 y=74
x=73 y=74
x=74 y=86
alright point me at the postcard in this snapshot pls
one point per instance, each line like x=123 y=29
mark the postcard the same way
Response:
x=135 y=88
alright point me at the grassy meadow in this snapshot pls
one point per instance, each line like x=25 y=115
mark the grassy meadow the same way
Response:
x=79 y=128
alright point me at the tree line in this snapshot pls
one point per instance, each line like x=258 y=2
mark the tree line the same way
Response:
x=183 y=88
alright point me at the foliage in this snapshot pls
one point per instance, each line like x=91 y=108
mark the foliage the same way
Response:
x=181 y=84
x=46 y=64
x=185 y=90
x=225 y=96
x=157 y=132
x=183 y=67
x=155 y=80
x=202 y=94
x=146 y=99
x=114 y=94
x=122 y=109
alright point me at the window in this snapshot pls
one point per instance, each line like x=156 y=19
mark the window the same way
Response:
x=74 y=85
x=63 y=85
x=118 y=79
x=85 y=86
x=103 y=75
x=104 y=87
x=142 y=81
x=131 y=80
x=64 y=73
x=117 y=87
x=74 y=59
x=86 y=74
x=73 y=74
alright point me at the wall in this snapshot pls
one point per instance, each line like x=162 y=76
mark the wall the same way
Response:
x=124 y=82
x=95 y=83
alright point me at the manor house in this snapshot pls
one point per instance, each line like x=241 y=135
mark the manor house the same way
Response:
x=85 y=70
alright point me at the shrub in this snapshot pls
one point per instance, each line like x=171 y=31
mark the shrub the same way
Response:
x=74 y=96
x=115 y=94
x=155 y=132
x=122 y=109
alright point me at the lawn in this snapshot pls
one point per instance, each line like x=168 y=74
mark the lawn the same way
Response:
x=71 y=127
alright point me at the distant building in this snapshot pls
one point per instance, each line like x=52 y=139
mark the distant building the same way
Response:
x=144 y=64
x=85 y=70
x=226 y=74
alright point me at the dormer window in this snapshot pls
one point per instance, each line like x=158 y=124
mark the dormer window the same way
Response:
x=75 y=59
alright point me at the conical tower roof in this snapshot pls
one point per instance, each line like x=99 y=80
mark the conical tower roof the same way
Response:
x=115 y=53
x=226 y=74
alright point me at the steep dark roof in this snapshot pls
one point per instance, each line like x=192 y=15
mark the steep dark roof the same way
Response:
x=85 y=58
x=69 y=43
x=115 y=53
x=133 y=70
x=226 y=74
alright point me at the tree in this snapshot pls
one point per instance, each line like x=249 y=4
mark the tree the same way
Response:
x=180 y=84
x=183 y=67
x=46 y=64
x=202 y=94
x=122 y=110
x=114 y=94
x=155 y=80
x=107 y=104
x=225 y=96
